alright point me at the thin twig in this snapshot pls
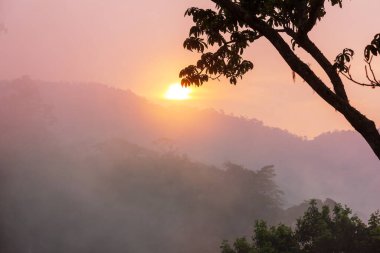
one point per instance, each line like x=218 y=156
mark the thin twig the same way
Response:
x=349 y=77
x=373 y=73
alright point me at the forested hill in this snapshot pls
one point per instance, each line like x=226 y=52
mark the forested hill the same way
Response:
x=119 y=197
x=332 y=165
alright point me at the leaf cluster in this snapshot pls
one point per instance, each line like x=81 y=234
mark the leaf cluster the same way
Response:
x=373 y=49
x=296 y=15
x=211 y=29
x=229 y=35
x=341 y=64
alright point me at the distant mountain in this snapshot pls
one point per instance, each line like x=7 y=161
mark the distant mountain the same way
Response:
x=337 y=165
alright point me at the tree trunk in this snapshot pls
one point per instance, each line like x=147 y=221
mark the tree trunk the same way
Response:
x=365 y=127
x=360 y=123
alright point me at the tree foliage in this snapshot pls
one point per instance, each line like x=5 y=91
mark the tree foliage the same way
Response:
x=343 y=59
x=319 y=230
x=233 y=36
x=222 y=35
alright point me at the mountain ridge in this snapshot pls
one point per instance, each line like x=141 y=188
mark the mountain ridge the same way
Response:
x=331 y=165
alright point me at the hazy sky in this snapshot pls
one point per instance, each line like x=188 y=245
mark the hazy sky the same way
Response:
x=137 y=45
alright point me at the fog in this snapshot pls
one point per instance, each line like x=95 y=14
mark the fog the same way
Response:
x=89 y=168
x=92 y=160
x=68 y=191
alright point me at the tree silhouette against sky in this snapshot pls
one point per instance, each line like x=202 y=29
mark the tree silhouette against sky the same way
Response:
x=318 y=230
x=235 y=24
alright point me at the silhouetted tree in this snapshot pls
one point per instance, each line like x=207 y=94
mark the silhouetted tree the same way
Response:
x=236 y=23
x=319 y=230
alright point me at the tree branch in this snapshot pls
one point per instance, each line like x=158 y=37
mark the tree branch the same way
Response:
x=374 y=80
x=349 y=77
x=314 y=51
x=361 y=123
x=285 y=51
x=316 y=5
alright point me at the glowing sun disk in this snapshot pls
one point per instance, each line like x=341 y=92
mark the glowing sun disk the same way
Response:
x=177 y=92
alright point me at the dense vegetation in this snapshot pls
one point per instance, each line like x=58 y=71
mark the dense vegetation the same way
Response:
x=319 y=230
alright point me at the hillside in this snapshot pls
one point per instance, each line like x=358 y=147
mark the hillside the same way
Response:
x=119 y=197
x=84 y=114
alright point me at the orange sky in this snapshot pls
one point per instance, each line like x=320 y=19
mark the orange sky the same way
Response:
x=137 y=45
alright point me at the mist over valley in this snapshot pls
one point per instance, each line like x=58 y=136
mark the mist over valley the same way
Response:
x=89 y=168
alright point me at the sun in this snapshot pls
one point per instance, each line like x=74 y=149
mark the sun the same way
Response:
x=177 y=92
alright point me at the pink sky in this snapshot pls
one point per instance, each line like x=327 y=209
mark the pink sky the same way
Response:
x=137 y=45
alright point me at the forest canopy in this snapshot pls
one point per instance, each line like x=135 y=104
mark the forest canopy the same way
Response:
x=318 y=230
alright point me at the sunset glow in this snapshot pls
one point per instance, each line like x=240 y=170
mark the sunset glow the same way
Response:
x=172 y=126
x=177 y=92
